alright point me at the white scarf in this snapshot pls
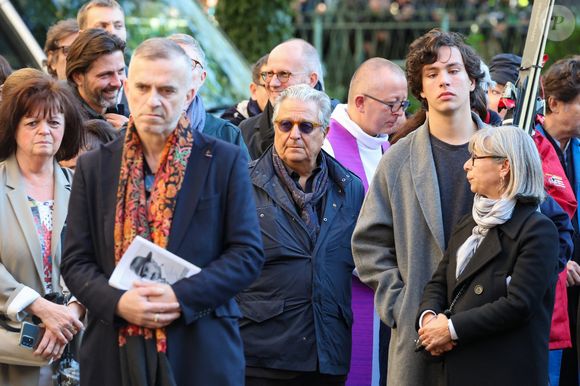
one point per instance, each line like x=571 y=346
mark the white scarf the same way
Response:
x=340 y=114
x=487 y=213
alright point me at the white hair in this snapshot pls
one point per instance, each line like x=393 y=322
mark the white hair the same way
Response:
x=305 y=93
x=526 y=178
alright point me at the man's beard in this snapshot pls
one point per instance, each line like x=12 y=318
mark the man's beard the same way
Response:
x=99 y=99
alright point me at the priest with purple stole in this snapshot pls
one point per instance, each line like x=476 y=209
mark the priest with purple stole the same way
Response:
x=358 y=137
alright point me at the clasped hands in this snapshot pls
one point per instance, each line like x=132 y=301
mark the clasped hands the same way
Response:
x=151 y=305
x=61 y=323
x=435 y=335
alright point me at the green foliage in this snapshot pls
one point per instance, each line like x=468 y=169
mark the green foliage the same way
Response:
x=559 y=50
x=256 y=26
x=39 y=16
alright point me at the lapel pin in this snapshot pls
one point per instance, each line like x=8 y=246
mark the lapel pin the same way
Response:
x=208 y=153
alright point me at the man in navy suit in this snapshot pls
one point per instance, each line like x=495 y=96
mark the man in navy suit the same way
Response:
x=187 y=193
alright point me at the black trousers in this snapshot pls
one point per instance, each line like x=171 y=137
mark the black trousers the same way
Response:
x=570 y=365
x=569 y=369
x=307 y=379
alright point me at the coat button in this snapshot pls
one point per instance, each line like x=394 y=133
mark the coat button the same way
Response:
x=478 y=289
x=333 y=205
x=325 y=219
x=261 y=214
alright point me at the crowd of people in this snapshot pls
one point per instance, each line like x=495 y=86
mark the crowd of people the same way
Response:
x=339 y=243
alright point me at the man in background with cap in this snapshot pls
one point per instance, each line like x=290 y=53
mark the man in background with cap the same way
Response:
x=503 y=68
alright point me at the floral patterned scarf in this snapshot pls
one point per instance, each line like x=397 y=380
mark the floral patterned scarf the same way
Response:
x=135 y=216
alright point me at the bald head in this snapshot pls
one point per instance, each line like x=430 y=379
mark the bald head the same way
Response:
x=377 y=80
x=297 y=58
x=369 y=78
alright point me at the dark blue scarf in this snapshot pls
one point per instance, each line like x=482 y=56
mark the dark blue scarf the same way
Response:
x=196 y=114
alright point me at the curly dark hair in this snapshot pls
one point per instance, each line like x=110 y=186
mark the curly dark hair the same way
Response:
x=425 y=49
x=562 y=81
x=30 y=91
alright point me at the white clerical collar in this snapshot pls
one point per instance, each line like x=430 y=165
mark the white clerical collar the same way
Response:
x=341 y=116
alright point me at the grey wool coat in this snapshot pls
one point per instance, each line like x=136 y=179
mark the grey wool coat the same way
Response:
x=397 y=244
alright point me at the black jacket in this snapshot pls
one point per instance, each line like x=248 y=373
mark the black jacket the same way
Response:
x=502 y=329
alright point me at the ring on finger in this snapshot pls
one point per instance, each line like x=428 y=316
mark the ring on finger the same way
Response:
x=156 y=318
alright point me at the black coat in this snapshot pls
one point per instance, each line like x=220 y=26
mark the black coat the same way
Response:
x=502 y=329
x=258 y=132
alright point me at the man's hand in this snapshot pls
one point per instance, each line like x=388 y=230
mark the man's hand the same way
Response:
x=116 y=120
x=435 y=335
x=573 y=274
x=150 y=305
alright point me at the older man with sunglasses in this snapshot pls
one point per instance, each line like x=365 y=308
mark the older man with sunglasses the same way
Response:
x=297 y=315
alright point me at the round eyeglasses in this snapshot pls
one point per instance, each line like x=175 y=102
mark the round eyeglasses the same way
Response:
x=283 y=76
x=394 y=106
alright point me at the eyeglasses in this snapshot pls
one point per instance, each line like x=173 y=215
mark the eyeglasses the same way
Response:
x=195 y=63
x=283 y=76
x=305 y=127
x=394 y=106
x=65 y=49
x=474 y=157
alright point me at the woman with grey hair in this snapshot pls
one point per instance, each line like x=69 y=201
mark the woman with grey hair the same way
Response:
x=487 y=310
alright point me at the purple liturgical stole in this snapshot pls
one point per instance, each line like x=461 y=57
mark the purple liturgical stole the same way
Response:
x=346 y=150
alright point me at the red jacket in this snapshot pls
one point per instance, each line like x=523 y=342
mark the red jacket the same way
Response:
x=557 y=186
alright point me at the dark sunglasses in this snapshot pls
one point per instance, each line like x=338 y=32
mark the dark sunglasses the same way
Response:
x=305 y=127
